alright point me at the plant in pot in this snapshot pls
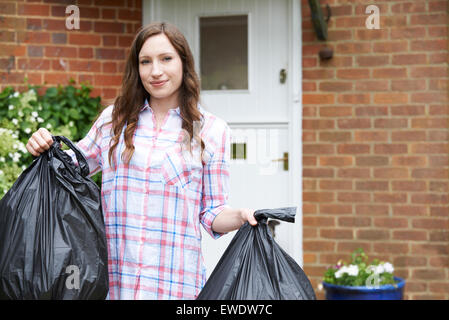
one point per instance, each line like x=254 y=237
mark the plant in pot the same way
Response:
x=360 y=280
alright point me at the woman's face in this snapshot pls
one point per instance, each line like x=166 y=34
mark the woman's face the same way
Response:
x=160 y=68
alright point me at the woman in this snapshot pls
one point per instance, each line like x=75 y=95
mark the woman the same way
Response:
x=164 y=163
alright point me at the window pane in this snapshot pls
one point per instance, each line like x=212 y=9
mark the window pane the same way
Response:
x=224 y=52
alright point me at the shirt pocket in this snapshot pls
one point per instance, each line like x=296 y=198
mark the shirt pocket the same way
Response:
x=175 y=169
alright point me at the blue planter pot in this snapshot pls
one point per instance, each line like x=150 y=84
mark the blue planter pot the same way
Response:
x=384 y=292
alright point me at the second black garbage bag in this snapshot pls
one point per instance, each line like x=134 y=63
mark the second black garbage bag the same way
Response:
x=52 y=233
x=255 y=267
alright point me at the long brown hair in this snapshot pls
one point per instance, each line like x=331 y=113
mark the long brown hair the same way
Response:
x=128 y=104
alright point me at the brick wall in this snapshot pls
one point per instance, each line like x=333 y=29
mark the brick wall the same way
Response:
x=35 y=43
x=375 y=141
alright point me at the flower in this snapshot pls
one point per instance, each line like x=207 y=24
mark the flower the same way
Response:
x=359 y=272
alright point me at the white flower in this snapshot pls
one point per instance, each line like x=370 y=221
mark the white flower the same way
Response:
x=16 y=94
x=20 y=113
x=1 y=172
x=32 y=119
x=40 y=120
x=27 y=130
x=24 y=167
x=10 y=107
x=388 y=267
x=48 y=126
x=34 y=114
x=351 y=270
x=15 y=121
x=2 y=159
x=71 y=124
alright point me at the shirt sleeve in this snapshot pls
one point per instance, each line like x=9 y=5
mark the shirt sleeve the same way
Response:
x=215 y=181
x=90 y=146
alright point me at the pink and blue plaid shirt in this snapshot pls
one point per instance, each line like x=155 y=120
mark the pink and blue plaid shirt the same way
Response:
x=153 y=206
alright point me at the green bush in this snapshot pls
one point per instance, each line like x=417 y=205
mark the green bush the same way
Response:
x=67 y=111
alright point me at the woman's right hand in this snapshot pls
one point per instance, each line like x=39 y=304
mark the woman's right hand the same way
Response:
x=40 y=141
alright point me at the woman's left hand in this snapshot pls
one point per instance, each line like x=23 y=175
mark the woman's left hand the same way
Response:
x=248 y=215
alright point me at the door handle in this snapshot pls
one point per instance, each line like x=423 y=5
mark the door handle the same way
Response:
x=284 y=159
x=282 y=76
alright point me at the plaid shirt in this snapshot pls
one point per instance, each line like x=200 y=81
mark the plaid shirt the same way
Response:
x=153 y=207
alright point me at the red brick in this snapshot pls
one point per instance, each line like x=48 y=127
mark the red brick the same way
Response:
x=336 y=234
x=318 y=98
x=318 y=124
x=430 y=173
x=363 y=98
x=318 y=173
x=408 y=85
x=430 y=148
x=408 y=33
x=353 y=74
x=393 y=248
x=318 y=149
x=319 y=221
x=430 y=223
x=428 y=19
x=109 y=54
x=337 y=209
x=354 y=197
x=34 y=9
x=354 y=47
x=412 y=210
x=428 y=72
x=438 y=161
x=430 y=249
x=372 y=161
x=371 y=85
x=108 y=80
x=410 y=235
x=390 y=98
x=409 y=185
x=408 y=136
x=331 y=136
x=372 y=61
x=318 y=74
x=434 y=199
x=430 y=123
x=318 y=246
x=390 y=123
x=391 y=173
x=367 y=34
x=371 y=185
x=354 y=123
x=372 y=235
x=428 y=45
x=337 y=86
x=391 y=223
x=353 y=173
x=390 y=198
x=389 y=73
x=336 y=161
x=390 y=46
x=84 y=39
x=409 y=261
x=353 y=148
x=87 y=66
x=354 y=221
x=390 y=148
x=60 y=52
x=335 y=185
x=318 y=196
x=408 y=7
x=334 y=111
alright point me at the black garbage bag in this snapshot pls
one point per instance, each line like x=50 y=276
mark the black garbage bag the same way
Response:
x=52 y=233
x=254 y=266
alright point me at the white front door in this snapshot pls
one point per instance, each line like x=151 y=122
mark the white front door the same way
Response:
x=241 y=50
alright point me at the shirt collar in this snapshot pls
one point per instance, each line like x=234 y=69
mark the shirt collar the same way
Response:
x=146 y=105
